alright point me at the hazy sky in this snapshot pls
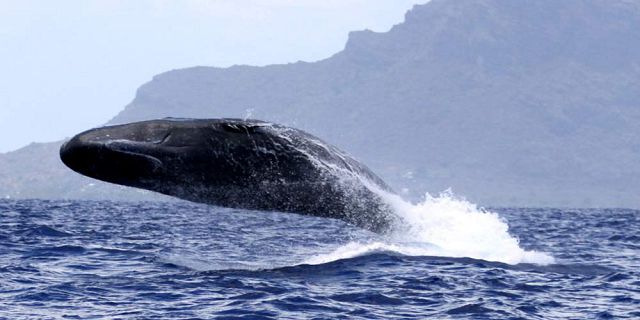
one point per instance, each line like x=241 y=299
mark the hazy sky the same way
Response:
x=66 y=66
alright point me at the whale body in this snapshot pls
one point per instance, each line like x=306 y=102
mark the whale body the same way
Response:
x=235 y=163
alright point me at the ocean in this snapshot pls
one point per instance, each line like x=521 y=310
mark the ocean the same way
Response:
x=179 y=260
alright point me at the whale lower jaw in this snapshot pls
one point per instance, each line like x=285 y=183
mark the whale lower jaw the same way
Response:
x=116 y=162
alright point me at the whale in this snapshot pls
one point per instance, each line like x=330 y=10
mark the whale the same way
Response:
x=235 y=163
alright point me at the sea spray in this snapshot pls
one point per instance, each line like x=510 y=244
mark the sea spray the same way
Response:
x=443 y=226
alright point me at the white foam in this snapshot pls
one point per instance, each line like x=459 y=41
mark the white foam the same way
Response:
x=438 y=226
x=444 y=226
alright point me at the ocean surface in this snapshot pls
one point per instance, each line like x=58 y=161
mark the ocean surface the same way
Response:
x=118 y=260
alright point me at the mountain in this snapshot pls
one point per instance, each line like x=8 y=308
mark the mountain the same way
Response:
x=509 y=103
x=36 y=171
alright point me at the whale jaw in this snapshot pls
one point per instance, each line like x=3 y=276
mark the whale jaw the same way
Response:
x=121 y=162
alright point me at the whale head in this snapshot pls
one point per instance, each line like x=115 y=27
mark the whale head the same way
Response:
x=185 y=157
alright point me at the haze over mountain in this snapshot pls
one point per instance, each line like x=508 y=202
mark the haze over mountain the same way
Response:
x=527 y=103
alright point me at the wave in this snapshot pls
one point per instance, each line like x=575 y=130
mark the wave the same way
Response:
x=443 y=226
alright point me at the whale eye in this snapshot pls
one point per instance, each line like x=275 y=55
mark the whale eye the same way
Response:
x=239 y=128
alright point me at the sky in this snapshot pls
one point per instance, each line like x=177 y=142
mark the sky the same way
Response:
x=67 y=66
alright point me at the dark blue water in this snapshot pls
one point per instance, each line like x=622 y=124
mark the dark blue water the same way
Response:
x=82 y=260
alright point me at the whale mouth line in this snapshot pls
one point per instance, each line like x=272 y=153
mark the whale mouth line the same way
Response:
x=124 y=147
x=116 y=161
x=151 y=159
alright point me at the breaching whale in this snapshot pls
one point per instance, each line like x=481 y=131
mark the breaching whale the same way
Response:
x=235 y=163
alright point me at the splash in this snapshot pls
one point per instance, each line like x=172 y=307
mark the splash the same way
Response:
x=444 y=226
x=438 y=226
x=248 y=114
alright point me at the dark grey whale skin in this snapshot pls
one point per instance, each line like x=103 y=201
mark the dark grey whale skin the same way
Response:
x=234 y=163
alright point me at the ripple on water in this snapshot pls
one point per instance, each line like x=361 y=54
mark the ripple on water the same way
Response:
x=183 y=261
